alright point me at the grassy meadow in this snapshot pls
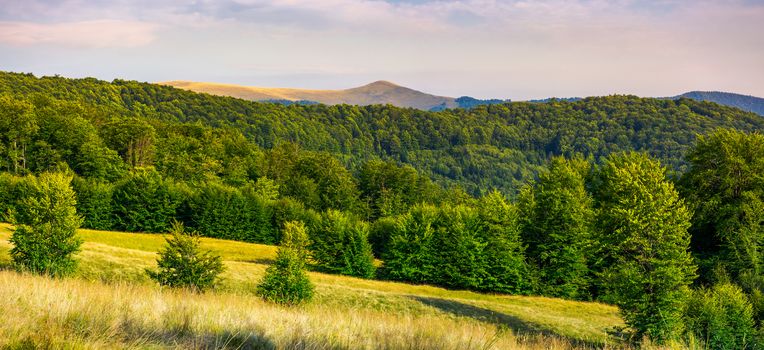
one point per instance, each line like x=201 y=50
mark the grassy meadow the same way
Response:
x=110 y=303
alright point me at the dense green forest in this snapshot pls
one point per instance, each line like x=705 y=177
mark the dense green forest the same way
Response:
x=496 y=146
x=621 y=199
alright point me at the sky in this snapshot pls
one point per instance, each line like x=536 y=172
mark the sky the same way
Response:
x=482 y=48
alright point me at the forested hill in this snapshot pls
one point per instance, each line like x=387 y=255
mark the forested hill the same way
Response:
x=744 y=102
x=493 y=146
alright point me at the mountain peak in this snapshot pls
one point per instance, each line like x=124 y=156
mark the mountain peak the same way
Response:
x=382 y=84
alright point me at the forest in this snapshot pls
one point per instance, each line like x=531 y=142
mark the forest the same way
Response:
x=652 y=205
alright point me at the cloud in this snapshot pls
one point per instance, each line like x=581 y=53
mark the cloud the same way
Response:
x=82 y=34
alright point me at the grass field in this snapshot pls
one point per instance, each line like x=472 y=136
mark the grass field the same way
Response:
x=110 y=303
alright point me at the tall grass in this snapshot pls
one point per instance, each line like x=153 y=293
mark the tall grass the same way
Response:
x=111 y=304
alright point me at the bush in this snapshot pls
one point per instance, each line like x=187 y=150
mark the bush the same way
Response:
x=182 y=264
x=45 y=236
x=340 y=244
x=285 y=282
x=721 y=317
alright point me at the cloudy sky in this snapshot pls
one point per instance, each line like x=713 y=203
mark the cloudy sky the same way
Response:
x=482 y=48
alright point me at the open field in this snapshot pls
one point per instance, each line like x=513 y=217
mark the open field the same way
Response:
x=111 y=304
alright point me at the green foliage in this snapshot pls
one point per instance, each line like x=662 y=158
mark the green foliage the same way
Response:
x=94 y=203
x=409 y=253
x=221 y=211
x=391 y=190
x=340 y=244
x=144 y=202
x=504 y=255
x=722 y=318
x=285 y=282
x=725 y=185
x=558 y=219
x=642 y=253
x=183 y=264
x=45 y=239
x=459 y=247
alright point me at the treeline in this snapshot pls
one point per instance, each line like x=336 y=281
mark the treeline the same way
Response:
x=498 y=146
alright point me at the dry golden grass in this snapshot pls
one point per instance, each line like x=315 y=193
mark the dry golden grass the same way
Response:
x=111 y=304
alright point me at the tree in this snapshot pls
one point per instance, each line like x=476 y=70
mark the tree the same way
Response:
x=722 y=318
x=183 y=264
x=409 y=252
x=458 y=254
x=133 y=139
x=45 y=239
x=18 y=124
x=144 y=202
x=94 y=203
x=726 y=186
x=558 y=224
x=340 y=244
x=285 y=281
x=504 y=253
x=642 y=254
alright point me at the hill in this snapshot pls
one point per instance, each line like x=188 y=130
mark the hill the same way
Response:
x=489 y=146
x=111 y=304
x=379 y=92
x=744 y=102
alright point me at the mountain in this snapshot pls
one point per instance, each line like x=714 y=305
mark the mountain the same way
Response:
x=744 y=102
x=379 y=92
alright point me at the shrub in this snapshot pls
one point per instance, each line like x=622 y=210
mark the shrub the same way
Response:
x=183 y=264
x=45 y=237
x=285 y=282
x=721 y=317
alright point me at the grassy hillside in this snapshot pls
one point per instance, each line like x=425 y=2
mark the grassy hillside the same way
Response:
x=379 y=92
x=111 y=304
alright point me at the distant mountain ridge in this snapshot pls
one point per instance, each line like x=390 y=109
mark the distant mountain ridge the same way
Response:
x=384 y=92
x=745 y=102
x=379 y=92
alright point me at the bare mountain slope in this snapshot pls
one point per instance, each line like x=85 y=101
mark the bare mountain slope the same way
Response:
x=379 y=92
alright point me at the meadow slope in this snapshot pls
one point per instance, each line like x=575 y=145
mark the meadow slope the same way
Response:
x=110 y=303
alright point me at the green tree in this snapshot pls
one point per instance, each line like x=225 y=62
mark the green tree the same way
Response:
x=340 y=244
x=722 y=318
x=45 y=239
x=459 y=247
x=506 y=269
x=726 y=186
x=94 y=203
x=558 y=228
x=18 y=126
x=183 y=264
x=134 y=139
x=285 y=281
x=144 y=202
x=643 y=259
x=409 y=252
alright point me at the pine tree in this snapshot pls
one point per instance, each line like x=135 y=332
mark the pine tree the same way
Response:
x=183 y=264
x=285 y=282
x=45 y=236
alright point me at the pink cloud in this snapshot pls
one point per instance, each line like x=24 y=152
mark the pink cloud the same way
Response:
x=86 y=34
